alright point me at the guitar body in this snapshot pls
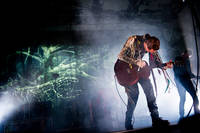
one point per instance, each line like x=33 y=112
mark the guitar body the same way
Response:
x=144 y=72
x=128 y=75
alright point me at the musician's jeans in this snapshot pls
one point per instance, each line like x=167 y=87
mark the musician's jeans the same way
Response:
x=133 y=92
x=184 y=84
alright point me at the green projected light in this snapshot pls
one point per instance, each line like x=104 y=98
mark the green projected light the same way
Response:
x=51 y=73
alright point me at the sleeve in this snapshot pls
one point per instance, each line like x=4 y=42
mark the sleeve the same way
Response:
x=128 y=51
x=155 y=61
x=188 y=67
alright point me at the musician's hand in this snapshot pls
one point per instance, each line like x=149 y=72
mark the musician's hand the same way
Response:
x=141 y=63
x=169 y=64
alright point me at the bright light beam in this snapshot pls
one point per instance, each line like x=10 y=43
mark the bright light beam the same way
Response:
x=8 y=104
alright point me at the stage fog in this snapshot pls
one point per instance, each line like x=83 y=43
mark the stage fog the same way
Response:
x=62 y=73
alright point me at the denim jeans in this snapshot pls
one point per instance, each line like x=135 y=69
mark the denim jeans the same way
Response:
x=133 y=92
x=183 y=84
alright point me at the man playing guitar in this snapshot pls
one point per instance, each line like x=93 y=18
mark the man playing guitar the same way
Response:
x=130 y=70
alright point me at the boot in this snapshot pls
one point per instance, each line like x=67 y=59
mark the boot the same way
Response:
x=158 y=122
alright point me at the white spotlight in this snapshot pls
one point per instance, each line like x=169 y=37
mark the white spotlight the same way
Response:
x=8 y=104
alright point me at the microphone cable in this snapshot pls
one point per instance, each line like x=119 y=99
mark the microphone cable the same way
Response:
x=118 y=91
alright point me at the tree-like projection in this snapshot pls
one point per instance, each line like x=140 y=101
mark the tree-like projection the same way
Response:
x=58 y=73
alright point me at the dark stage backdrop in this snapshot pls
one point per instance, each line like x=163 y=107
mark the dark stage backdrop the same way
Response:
x=57 y=66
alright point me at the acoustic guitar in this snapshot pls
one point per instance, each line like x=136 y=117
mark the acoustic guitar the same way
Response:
x=129 y=74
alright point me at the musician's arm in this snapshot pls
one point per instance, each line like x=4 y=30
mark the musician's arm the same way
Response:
x=188 y=67
x=156 y=62
x=123 y=55
x=128 y=51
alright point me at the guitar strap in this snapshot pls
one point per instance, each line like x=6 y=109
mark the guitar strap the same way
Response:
x=154 y=81
x=153 y=76
x=164 y=73
x=166 y=79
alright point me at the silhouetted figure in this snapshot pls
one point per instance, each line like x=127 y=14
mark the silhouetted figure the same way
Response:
x=183 y=75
